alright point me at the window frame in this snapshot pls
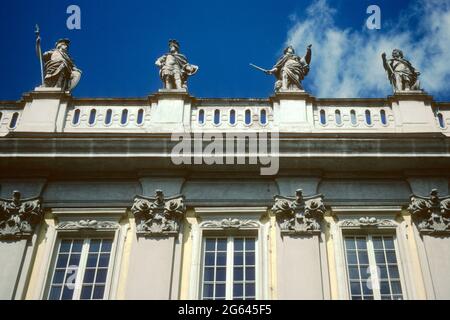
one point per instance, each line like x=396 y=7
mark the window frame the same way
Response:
x=209 y=225
x=348 y=224
x=115 y=231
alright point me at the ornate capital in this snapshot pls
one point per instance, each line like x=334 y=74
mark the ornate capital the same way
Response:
x=158 y=216
x=299 y=215
x=19 y=217
x=229 y=224
x=432 y=214
x=367 y=222
x=87 y=224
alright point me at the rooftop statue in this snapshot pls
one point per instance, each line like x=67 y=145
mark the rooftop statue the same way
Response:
x=290 y=70
x=57 y=67
x=402 y=75
x=175 y=68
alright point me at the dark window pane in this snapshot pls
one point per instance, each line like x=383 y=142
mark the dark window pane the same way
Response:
x=108 y=117
x=389 y=243
x=208 y=290
x=377 y=243
x=221 y=258
x=238 y=290
x=238 y=274
x=361 y=243
x=250 y=274
x=390 y=256
x=62 y=260
x=351 y=257
x=89 y=275
x=201 y=117
x=86 y=293
x=379 y=257
x=250 y=258
x=77 y=246
x=356 y=298
x=349 y=243
x=383 y=272
x=55 y=293
x=103 y=260
x=353 y=272
x=140 y=117
x=221 y=274
x=355 y=288
x=106 y=245
x=238 y=259
x=101 y=275
x=365 y=288
x=232 y=117
x=250 y=290
x=263 y=116
x=396 y=287
x=222 y=245
x=95 y=246
x=393 y=272
x=249 y=244
x=209 y=274
x=98 y=292
x=210 y=244
x=363 y=258
x=65 y=246
x=217 y=117
x=238 y=244
x=74 y=259
x=209 y=258
x=220 y=291
x=124 y=117
x=384 y=287
x=92 y=260
x=59 y=276
x=67 y=293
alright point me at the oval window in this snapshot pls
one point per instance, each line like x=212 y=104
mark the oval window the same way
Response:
x=232 y=117
x=124 y=118
x=76 y=117
x=92 y=116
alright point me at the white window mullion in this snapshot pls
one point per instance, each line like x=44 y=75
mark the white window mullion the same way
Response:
x=230 y=258
x=81 y=269
x=374 y=276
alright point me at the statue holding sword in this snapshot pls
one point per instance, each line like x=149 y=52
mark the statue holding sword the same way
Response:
x=290 y=70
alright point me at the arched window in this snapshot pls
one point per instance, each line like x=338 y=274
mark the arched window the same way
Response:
x=368 y=118
x=323 y=117
x=140 y=117
x=201 y=116
x=263 y=117
x=248 y=117
x=124 y=118
x=13 y=122
x=338 y=117
x=76 y=117
x=383 y=117
x=441 y=120
x=353 y=117
x=108 y=117
x=92 y=116
x=233 y=117
x=217 y=116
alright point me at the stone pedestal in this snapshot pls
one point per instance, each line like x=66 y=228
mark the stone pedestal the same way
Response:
x=299 y=265
x=413 y=112
x=293 y=111
x=12 y=256
x=154 y=270
x=171 y=111
x=45 y=111
x=437 y=250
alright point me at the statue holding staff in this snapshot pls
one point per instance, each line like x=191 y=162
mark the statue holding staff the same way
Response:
x=402 y=75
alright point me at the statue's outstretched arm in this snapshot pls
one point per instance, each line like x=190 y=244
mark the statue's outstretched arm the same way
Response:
x=308 y=54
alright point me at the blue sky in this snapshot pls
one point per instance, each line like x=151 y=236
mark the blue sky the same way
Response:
x=119 y=42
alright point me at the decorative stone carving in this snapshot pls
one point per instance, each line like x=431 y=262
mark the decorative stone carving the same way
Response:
x=290 y=70
x=59 y=68
x=367 y=222
x=19 y=217
x=158 y=216
x=299 y=215
x=431 y=214
x=402 y=75
x=87 y=224
x=229 y=223
x=174 y=68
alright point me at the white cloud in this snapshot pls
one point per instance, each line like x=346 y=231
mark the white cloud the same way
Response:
x=347 y=62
